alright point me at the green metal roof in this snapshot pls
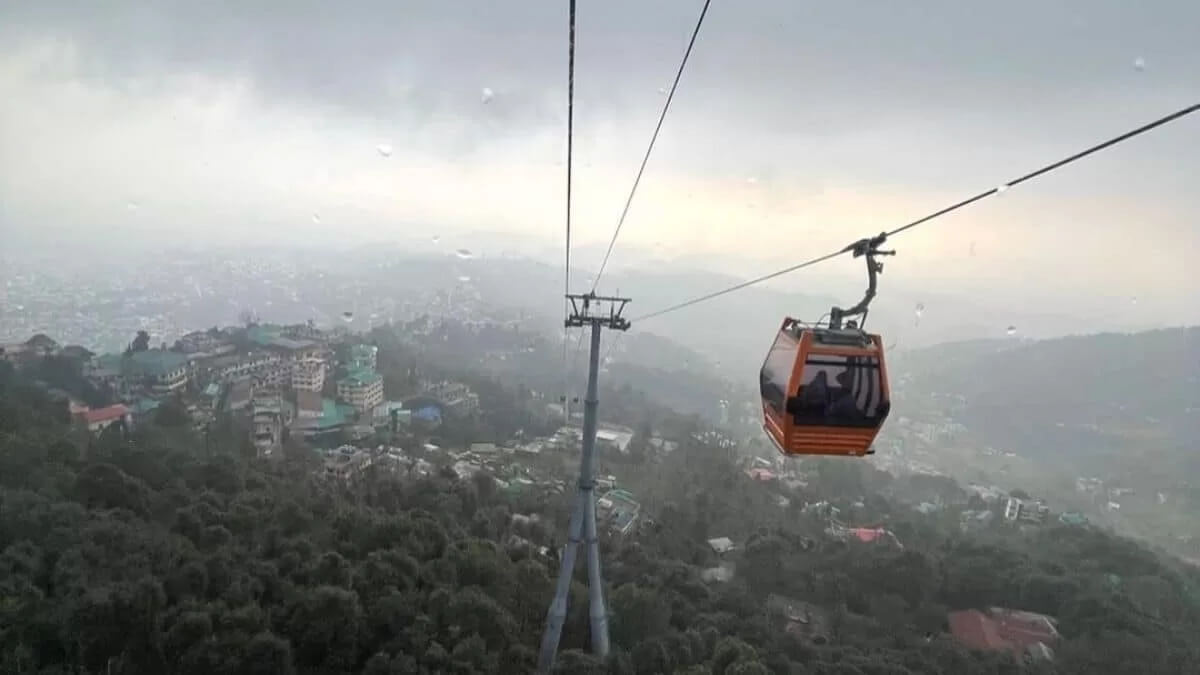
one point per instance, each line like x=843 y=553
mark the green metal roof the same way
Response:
x=361 y=376
x=289 y=343
x=262 y=335
x=109 y=362
x=144 y=405
x=333 y=414
x=621 y=494
x=155 y=362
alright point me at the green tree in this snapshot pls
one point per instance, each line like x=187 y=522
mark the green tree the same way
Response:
x=141 y=342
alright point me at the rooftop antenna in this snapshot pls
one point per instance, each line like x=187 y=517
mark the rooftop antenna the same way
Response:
x=598 y=312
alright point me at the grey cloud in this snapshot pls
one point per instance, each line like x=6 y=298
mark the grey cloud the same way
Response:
x=937 y=94
x=805 y=69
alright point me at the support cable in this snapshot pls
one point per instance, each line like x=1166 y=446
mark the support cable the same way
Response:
x=653 y=137
x=936 y=214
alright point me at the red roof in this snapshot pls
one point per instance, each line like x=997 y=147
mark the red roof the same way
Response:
x=974 y=630
x=112 y=412
x=867 y=534
x=1004 y=629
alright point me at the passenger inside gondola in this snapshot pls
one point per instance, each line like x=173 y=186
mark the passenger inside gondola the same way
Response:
x=815 y=396
x=844 y=409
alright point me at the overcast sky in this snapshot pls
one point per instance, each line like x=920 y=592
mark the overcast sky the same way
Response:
x=798 y=126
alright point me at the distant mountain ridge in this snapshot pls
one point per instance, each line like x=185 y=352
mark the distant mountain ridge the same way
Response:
x=1109 y=397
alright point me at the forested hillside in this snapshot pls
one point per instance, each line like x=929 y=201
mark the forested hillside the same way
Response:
x=148 y=553
x=1084 y=398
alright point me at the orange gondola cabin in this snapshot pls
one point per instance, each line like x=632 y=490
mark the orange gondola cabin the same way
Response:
x=824 y=390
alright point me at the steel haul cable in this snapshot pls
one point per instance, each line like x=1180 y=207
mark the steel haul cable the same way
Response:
x=570 y=149
x=936 y=214
x=653 y=137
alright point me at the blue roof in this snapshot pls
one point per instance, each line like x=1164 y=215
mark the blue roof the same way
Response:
x=428 y=412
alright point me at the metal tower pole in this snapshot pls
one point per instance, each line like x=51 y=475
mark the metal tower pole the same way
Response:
x=557 y=614
x=583 y=515
x=587 y=487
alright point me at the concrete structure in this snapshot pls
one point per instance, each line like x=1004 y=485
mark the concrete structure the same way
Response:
x=239 y=394
x=204 y=342
x=295 y=350
x=267 y=421
x=721 y=545
x=1025 y=511
x=616 y=439
x=264 y=367
x=619 y=509
x=362 y=389
x=308 y=375
x=347 y=462
x=456 y=397
x=316 y=416
x=382 y=415
x=162 y=371
x=105 y=370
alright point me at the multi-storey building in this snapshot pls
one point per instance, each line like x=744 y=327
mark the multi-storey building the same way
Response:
x=308 y=375
x=162 y=371
x=362 y=389
x=268 y=424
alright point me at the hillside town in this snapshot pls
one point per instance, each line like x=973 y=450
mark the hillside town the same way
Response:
x=325 y=389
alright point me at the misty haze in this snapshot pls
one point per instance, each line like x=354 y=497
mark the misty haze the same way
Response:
x=289 y=384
